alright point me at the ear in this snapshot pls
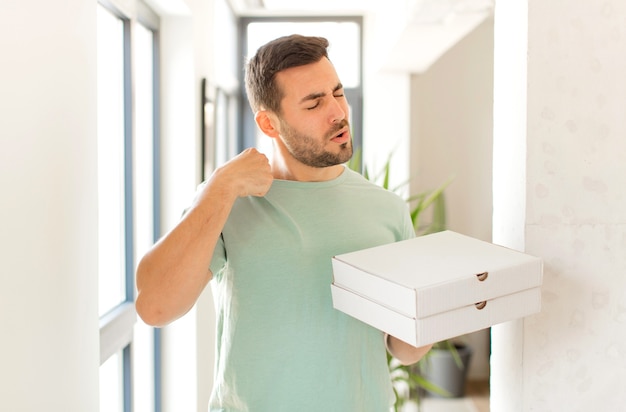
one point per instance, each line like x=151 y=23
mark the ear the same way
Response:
x=266 y=121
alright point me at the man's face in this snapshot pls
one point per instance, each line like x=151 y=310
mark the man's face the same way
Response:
x=313 y=125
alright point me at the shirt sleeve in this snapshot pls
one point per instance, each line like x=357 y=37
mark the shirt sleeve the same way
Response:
x=408 y=229
x=219 y=258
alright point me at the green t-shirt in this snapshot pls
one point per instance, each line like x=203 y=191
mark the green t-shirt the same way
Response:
x=281 y=346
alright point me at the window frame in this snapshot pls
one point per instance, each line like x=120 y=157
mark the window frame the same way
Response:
x=151 y=21
x=117 y=325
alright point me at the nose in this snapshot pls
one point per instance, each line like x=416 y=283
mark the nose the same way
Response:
x=338 y=110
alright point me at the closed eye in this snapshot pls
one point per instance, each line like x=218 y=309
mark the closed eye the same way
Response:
x=317 y=103
x=316 y=97
x=314 y=107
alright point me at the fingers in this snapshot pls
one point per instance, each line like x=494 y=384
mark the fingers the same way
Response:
x=250 y=172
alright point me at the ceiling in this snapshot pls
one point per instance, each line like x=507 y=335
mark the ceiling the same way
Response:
x=424 y=29
x=427 y=10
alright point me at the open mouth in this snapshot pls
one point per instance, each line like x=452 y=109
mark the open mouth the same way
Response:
x=342 y=137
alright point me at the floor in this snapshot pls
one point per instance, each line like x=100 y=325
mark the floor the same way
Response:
x=478 y=393
x=476 y=400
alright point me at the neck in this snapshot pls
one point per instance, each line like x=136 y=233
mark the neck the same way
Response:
x=285 y=170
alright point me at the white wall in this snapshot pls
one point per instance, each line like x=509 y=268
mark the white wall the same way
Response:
x=572 y=356
x=452 y=131
x=509 y=188
x=451 y=136
x=178 y=142
x=437 y=124
x=386 y=96
x=49 y=352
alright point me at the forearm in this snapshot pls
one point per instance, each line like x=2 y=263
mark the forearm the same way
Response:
x=172 y=275
x=405 y=353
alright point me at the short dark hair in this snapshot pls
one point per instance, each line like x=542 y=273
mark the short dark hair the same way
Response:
x=277 y=55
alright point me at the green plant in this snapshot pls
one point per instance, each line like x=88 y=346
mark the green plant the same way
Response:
x=449 y=345
x=407 y=377
x=433 y=201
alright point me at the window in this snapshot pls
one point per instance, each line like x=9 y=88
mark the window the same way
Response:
x=128 y=196
x=111 y=119
x=345 y=51
x=111 y=383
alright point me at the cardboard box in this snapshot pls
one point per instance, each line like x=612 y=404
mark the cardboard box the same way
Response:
x=436 y=287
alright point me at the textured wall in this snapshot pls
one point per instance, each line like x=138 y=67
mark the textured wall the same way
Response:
x=577 y=203
x=574 y=353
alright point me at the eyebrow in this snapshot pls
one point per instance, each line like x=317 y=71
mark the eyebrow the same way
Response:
x=314 y=96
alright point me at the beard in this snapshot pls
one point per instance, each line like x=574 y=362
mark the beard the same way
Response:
x=311 y=151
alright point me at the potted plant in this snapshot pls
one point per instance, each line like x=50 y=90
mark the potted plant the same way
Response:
x=446 y=368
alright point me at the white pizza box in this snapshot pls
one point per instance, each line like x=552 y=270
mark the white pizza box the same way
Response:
x=437 y=286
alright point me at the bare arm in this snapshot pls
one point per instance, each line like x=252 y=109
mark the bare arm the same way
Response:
x=173 y=273
x=405 y=353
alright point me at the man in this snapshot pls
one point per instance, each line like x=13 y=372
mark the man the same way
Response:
x=265 y=232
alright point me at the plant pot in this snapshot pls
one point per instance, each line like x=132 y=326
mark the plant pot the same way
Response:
x=441 y=369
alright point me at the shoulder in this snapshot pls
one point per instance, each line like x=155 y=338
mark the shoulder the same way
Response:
x=354 y=177
x=357 y=179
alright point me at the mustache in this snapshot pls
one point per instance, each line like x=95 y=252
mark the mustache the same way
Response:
x=335 y=129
